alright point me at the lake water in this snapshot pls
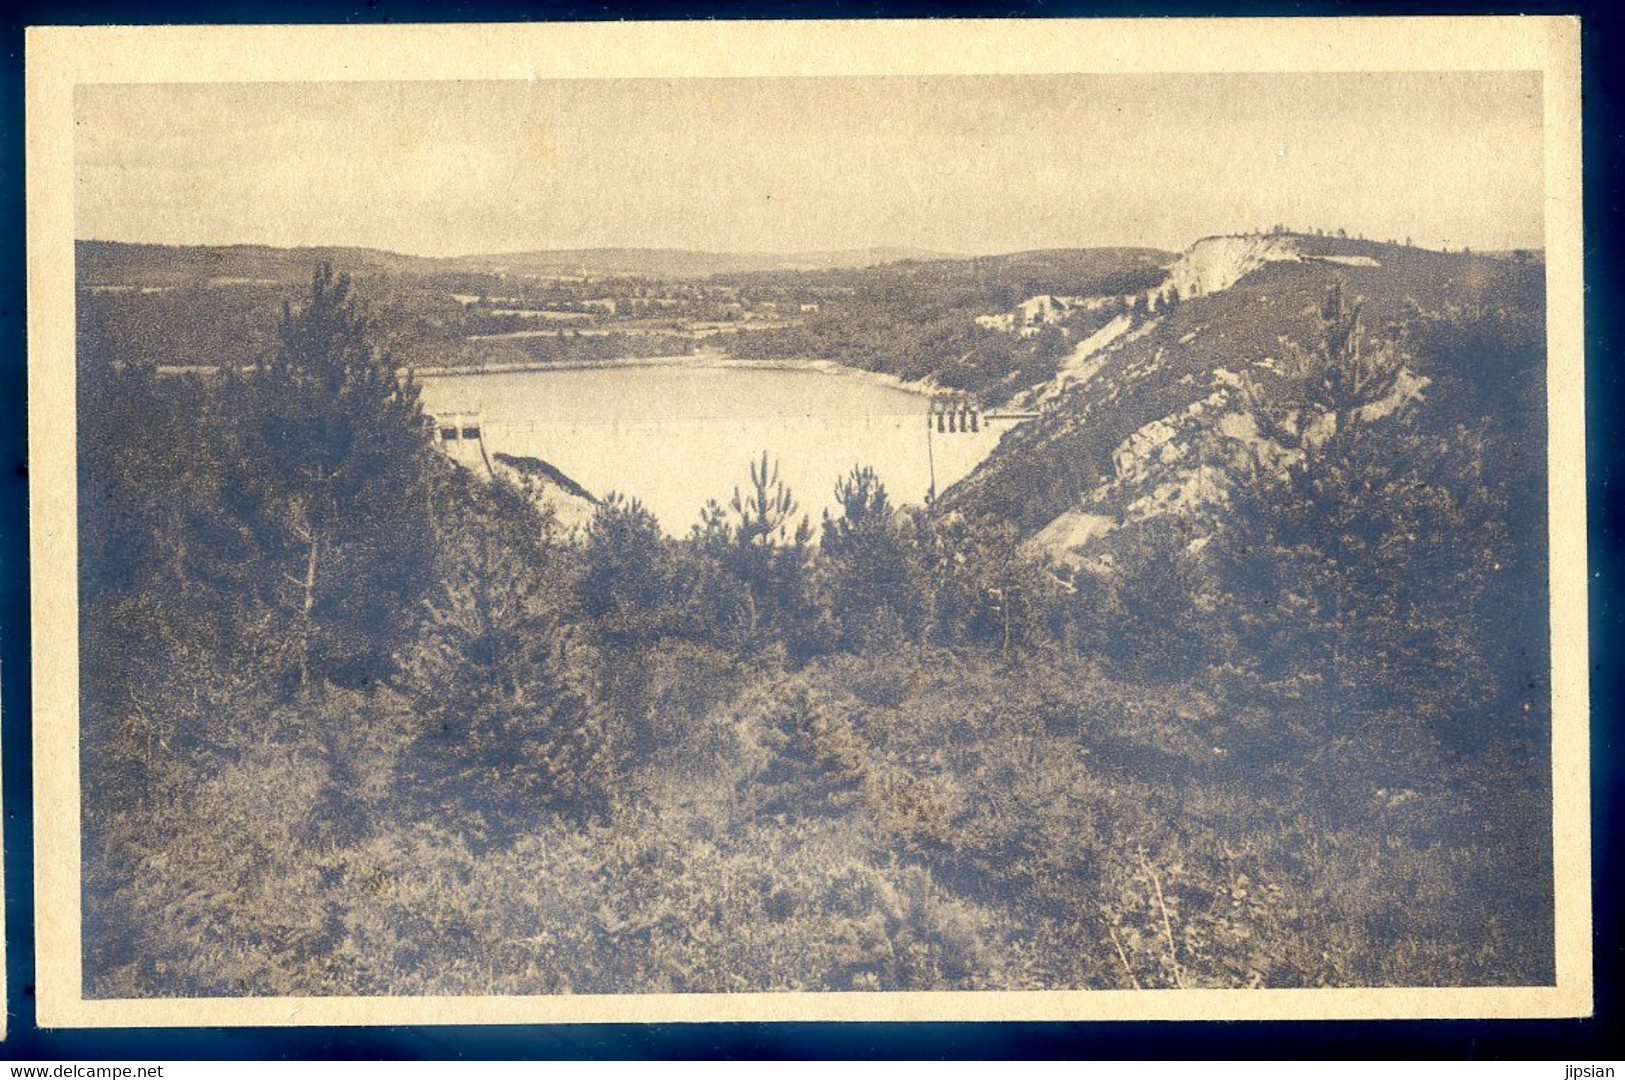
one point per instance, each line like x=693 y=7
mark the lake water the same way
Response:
x=676 y=435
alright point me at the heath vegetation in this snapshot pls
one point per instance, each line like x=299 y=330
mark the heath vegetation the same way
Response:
x=357 y=722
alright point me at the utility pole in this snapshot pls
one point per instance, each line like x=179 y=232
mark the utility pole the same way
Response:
x=931 y=454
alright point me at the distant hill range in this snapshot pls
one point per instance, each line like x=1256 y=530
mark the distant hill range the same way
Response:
x=664 y=262
x=116 y=263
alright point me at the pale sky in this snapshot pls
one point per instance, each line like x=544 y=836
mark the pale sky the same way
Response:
x=957 y=164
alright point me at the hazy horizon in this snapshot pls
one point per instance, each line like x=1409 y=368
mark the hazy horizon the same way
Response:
x=740 y=253
x=745 y=253
x=962 y=166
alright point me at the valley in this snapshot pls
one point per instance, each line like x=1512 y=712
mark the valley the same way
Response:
x=631 y=622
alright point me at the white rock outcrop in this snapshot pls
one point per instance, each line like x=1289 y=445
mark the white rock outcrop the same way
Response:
x=1215 y=263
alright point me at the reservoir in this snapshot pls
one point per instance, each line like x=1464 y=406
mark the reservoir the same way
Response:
x=674 y=434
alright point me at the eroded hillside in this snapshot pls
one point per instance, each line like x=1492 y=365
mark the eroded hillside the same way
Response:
x=1143 y=418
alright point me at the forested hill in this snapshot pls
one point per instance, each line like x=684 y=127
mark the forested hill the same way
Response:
x=908 y=313
x=946 y=321
x=1193 y=373
x=114 y=263
x=1313 y=456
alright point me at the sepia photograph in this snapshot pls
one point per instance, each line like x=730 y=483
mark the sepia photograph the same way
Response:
x=839 y=533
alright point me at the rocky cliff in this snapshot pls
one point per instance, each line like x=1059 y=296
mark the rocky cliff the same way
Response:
x=1149 y=415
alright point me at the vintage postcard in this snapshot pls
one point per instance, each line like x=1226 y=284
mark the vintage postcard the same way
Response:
x=1055 y=519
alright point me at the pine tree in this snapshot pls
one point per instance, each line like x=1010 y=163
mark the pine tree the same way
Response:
x=876 y=575
x=335 y=478
x=764 y=513
x=502 y=685
x=1305 y=526
x=770 y=550
x=626 y=587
